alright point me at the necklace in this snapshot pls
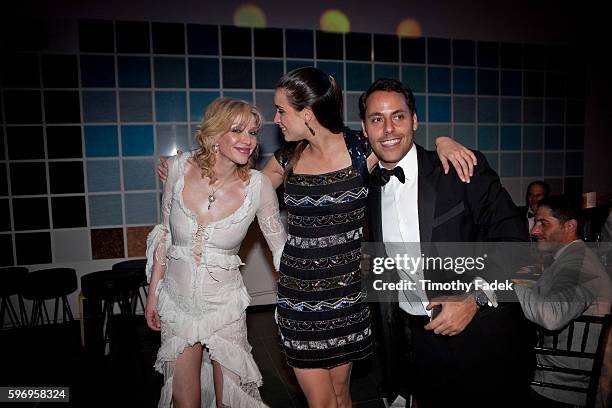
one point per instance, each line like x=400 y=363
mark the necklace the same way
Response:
x=211 y=196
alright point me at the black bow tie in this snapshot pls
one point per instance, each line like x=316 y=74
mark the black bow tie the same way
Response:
x=384 y=175
x=530 y=215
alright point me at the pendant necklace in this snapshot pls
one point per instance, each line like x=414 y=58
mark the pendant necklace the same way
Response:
x=211 y=196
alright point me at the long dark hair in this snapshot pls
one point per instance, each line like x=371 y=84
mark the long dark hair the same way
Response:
x=312 y=88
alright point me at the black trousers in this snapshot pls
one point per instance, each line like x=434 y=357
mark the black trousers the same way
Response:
x=489 y=364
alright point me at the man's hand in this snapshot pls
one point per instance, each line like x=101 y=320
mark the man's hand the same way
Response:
x=462 y=158
x=457 y=312
x=162 y=169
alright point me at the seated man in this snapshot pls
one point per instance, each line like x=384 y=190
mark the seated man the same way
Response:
x=536 y=192
x=575 y=283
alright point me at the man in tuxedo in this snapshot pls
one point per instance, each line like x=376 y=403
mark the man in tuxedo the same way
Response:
x=472 y=353
x=536 y=192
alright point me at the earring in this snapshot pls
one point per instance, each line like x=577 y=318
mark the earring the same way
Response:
x=216 y=148
x=312 y=132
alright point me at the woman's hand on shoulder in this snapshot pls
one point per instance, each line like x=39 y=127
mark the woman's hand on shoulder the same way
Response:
x=462 y=158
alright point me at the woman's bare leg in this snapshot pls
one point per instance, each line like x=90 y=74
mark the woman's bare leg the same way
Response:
x=186 y=383
x=317 y=386
x=218 y=380
x=341 y=381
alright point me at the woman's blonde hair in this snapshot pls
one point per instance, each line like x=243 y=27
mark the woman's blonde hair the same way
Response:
x=220 y=116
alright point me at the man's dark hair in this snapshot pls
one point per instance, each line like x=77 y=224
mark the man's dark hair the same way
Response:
x=387 y=85
x=541 y=183
x=564 y=210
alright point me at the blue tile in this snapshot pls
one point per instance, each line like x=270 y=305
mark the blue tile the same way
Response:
x=439 y=80
x=434 y=131
x=488 y=138
x=141 y=208
x=170 y=106
x=101 y=141
x=553 y=164
x=511 y=111
x=438 y=51
x=414 y=77
x=553 y=137
x=333 y=68
x=488 y=110
x=103 y=175
x=386 y=71
x=464 y=81
x=464 y=108
x=532 y=137
x=243 y=95
x=533 y=111
x=265 y=104
x=487 y=54
x=202 y=39
x=511 y=55
x=464 y=52
x=554 y=111
x=575 y=112
x=420 y=102
x=271 y=139
x=134 y=72
x=137 y=140
x=510 y=165
x=105 y=210
x=99 y=106
x=169 y=72
x=574 y=137
x=466 y=135
x=171 y=138
x=198 y=102
x=534 y=83
x=267 y=73
x=136 y=106
x=413 y=50
x=97 y=71
x=293 y=64
x=139 y=174
x=510 y=138
x=511 y=83
x=574 y=163
x=532 y=164
x=203 y=73
x=237 y=73
x=493 y=160
x=299 y=43
x=439 y=109
x=488 y=82
x=358 y=76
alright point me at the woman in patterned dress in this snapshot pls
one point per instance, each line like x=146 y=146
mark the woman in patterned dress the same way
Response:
x=322 y=314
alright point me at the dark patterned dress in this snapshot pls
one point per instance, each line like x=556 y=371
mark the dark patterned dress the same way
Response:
x=321 y=312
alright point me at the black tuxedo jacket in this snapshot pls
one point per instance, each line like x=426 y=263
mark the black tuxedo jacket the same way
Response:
x=449 y=211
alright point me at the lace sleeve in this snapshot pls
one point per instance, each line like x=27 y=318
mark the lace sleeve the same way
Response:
x=269 y=220
x=159 y=239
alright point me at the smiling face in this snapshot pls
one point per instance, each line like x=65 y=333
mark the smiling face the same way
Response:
x=389 y=125
x=289 y=120
x=239 y=142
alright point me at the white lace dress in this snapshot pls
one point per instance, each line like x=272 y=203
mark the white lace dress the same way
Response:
x=201 y=297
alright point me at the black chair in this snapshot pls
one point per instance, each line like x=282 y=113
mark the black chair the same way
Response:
x=576 y=346
x=46 y=284
x=11 y=283
x=103 y=290
x=136 y=269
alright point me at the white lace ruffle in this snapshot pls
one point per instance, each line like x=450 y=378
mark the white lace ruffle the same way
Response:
x=156 y=237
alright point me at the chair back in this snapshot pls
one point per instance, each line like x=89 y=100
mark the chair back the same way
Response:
x=577 y=345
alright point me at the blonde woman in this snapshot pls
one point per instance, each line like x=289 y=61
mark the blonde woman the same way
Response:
x=196 y=295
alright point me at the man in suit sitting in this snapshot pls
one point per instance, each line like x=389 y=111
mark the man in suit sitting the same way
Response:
x=536 y=192
x=575 y=283
x=473 y=353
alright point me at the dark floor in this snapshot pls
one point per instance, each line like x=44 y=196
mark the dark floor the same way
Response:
x=52 y=356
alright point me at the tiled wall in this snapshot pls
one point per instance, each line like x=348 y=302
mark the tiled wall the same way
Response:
x=81 y=130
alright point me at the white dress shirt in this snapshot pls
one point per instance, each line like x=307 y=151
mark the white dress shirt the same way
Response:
x=400 y=226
